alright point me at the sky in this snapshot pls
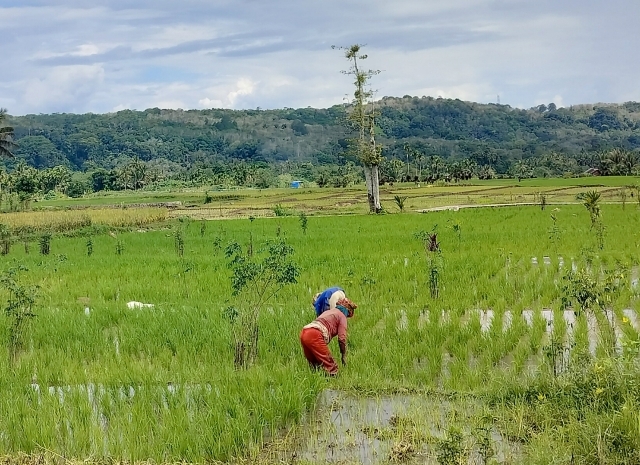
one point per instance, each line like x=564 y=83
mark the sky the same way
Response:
x=76 y=56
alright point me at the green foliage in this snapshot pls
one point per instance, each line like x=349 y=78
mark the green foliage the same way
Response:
x=555 y=234
x=5 y=239
x=586 y=413
x=254 y=281
x=119 y=246
x=304 y=220
x=19 y=308
x=45 y=244
x=361 y=119
x=622 y=193
x=450 y=450
x=591 y=201
x=589 y=292
x=434 y=259
x=77 y=188
x=89 y=245
x=178 y=239
x=400 y=201
x=280 y=210
x=6 y=136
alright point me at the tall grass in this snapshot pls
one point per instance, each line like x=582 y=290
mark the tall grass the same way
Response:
x=69 y=220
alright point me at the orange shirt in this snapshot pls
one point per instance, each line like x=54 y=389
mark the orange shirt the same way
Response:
x=336 y=323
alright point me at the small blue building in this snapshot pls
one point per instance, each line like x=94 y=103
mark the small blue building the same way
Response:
x=296 y=184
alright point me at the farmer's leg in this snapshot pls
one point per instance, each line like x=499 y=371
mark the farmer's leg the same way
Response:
x=308 y=339
x=316 y=350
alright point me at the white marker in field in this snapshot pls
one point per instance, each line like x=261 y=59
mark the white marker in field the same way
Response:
x=617 y=332
x=547 y=314
x=133 y=305
x=507 y=319
x=486 y=317
x=630 y=314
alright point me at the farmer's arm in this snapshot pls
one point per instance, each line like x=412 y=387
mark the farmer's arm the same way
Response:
x=342 y=339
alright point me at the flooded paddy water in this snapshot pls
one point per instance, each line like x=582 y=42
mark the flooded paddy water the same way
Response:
x=409 y=428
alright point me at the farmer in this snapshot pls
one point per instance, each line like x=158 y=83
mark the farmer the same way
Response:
x=316 y=335
x=327 y=299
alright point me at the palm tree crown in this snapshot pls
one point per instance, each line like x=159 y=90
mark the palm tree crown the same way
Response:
x=6 y=136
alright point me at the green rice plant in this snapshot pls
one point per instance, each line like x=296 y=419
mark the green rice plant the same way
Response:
x=119 y=246
x=89 y=245
x=203 y=228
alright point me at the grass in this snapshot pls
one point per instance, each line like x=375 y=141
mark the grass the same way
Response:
x=159 y=383
x=70 y=220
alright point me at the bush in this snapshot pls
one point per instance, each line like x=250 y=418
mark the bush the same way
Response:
x=77 y=189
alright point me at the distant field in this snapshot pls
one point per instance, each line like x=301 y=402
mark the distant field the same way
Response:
x=243 y=203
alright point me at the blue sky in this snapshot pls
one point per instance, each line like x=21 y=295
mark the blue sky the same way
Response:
x=78 y=56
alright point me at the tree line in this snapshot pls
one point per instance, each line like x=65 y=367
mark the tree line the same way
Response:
x=421 y=139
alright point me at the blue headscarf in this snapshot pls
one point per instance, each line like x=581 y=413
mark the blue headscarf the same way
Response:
x=343 y=310
x=322 y=303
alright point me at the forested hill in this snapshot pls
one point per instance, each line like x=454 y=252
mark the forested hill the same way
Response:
x=489 y=134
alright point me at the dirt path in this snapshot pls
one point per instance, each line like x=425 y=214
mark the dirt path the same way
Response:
x=455 y=208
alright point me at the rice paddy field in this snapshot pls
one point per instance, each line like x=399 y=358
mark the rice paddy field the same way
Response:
x=497 y=368
x=243 y=203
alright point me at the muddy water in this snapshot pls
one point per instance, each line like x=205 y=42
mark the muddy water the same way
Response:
x=371 y=430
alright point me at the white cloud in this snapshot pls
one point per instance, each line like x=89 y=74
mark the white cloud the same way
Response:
x=66 y=57
x=228 y=96
x=61 y=85
x=243 y=87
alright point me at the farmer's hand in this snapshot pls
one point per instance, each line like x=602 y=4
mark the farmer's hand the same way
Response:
x=344 y=360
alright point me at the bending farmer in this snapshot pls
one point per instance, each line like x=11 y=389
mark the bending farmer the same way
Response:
x=327 y=299
x=315 y=337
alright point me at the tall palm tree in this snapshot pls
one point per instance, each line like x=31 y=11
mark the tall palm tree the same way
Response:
x=6 y=136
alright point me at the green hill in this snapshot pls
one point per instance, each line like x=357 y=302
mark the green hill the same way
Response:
x=489 y=134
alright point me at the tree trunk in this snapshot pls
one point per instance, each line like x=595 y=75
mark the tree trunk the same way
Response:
x=372 y=179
